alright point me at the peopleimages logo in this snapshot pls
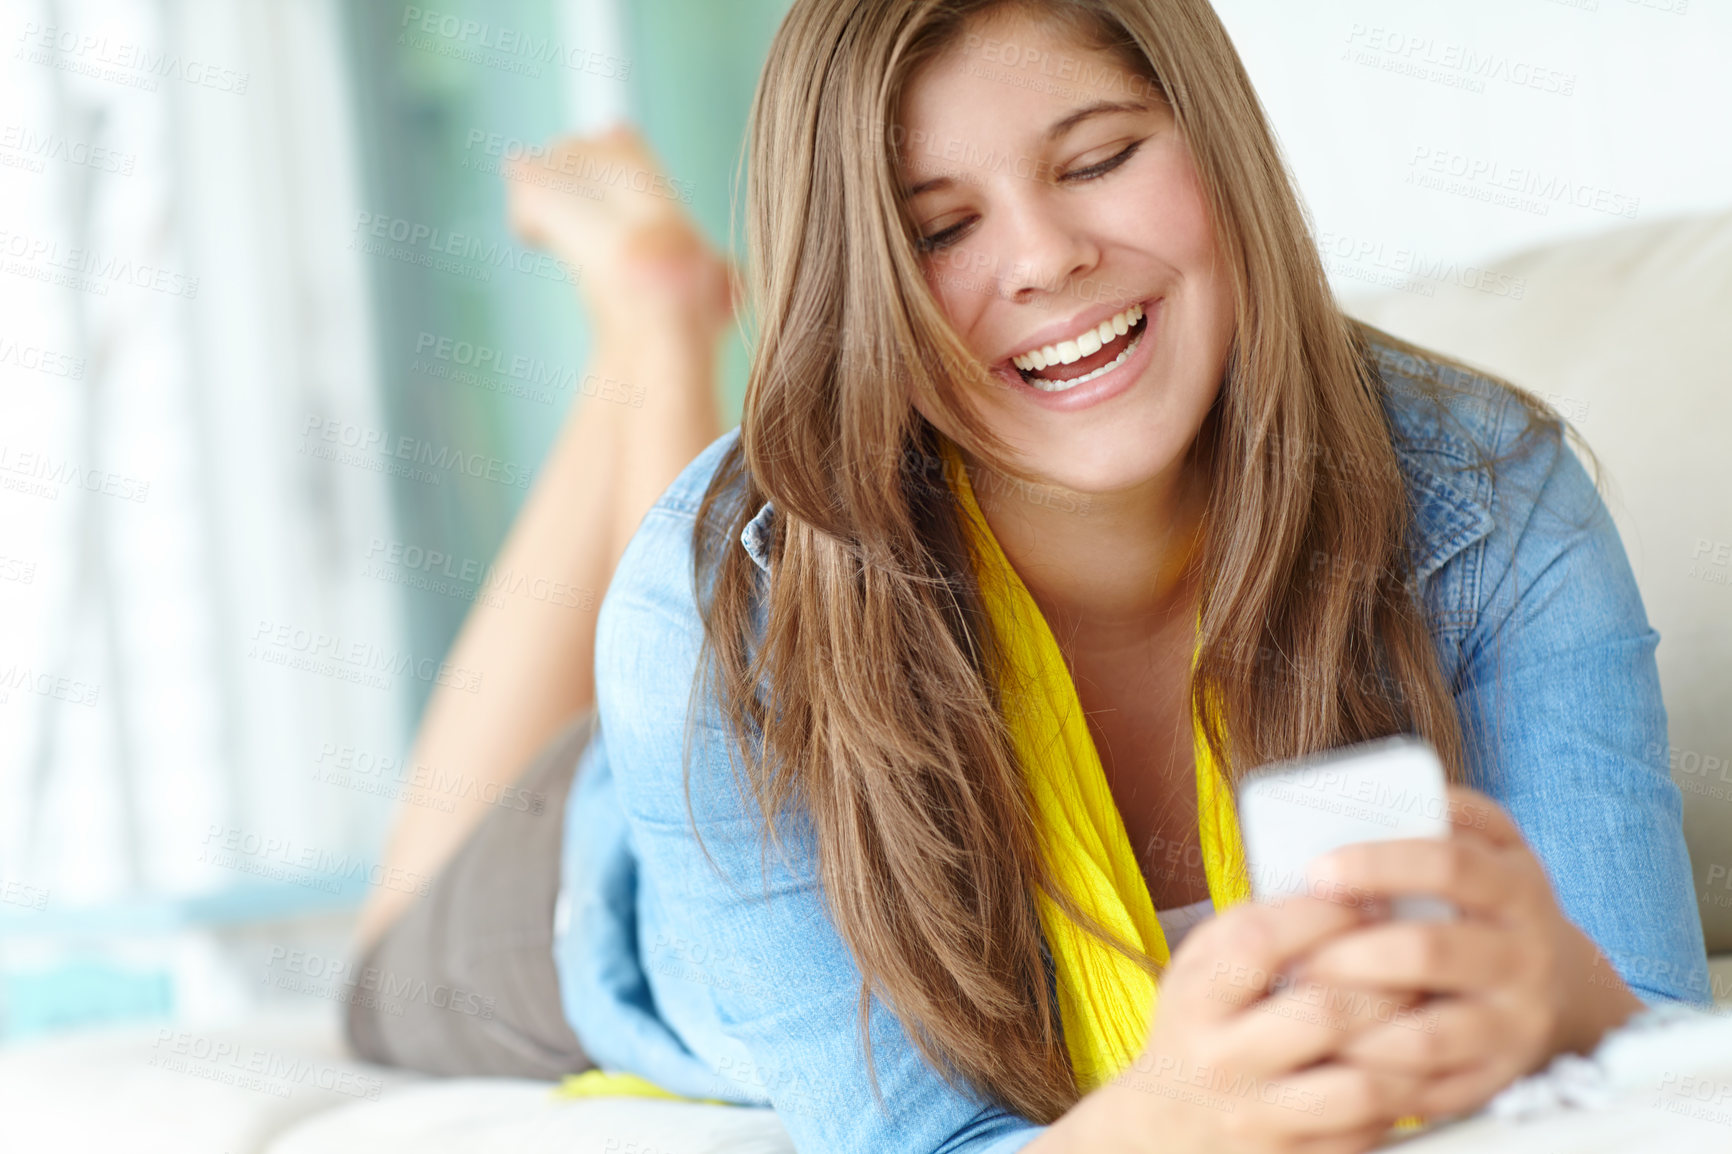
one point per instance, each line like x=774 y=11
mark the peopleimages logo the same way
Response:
x=587 y=170
x=343 y=979
x=501 y=46
x=420 y=784
x=1429 y=58
x=459 y=253
x=328 y=438
x=1349 y=255
x=121 y=61
x=280 y=643
x=231 y=847
x=486 y=579
x=1534 y=190
x=448 y=357
x=38 y=359
x=87 y=269
x=34 y=148
x=250 y=1067
x=24 y=679
x=42 y=474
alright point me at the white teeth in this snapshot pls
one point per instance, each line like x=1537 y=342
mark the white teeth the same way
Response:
x=1047 y=386
x=1084 y=344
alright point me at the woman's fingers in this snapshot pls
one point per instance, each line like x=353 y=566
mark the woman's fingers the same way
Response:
x=1334 y=1106
x=1235 y=1046
x=1231 y=980
x=1446 y=957
x=1441 y=1036
x=1473 y=874
x=1466 y=1090
x=1237 y=957
x=1306 y=1022
x=1472 y=812
x=1334 y=1101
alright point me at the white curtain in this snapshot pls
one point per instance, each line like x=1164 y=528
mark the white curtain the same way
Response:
x=191 y=639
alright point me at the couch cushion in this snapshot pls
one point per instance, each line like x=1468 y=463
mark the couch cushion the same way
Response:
x=1653 y=1091
x=509 y=1116
x=174 y=1090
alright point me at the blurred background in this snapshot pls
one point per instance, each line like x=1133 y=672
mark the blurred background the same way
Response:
x=275 y=376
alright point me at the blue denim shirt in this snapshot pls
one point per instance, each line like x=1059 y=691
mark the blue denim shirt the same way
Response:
x=723 y=976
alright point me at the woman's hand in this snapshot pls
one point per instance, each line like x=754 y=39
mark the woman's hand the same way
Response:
x=1241 y=1060
x=1513 y=981
x=603 y=205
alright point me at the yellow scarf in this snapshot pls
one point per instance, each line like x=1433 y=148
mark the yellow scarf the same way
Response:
x=1105 y=1001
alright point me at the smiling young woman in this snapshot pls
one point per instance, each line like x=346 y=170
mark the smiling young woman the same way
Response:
x=1052 y=416
x=949 y=186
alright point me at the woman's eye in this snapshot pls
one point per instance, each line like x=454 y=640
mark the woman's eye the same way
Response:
x=1105 y=166
x=947 y=237
x=944 y=238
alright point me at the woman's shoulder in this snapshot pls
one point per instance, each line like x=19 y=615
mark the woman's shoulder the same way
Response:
x=1509 y=528
x=649 y=640
x=1482 y=461
x=1440 y=407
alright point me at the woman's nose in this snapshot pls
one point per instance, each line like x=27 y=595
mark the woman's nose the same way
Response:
x=1043 y=251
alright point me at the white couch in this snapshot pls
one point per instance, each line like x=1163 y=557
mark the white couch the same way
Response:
x=1629 y=333
x=282 y=1084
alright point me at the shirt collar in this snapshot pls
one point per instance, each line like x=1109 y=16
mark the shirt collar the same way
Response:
x=759 y=534
x=1449 y=519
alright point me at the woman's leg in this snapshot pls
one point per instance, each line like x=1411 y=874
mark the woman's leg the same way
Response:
x=465 y=982
x=659 y=298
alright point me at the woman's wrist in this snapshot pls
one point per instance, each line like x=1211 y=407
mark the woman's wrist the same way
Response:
x=1112 y=1119
x=1594 y=999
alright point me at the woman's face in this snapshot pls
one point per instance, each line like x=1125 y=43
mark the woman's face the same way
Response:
x=1053 y=194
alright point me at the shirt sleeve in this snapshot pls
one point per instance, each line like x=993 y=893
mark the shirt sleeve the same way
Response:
x=1566 y=727
x=755 y=941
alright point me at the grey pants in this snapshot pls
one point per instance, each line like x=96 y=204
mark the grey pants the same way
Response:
x=463 y=983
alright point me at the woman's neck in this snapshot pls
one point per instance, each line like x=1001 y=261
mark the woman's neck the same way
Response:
x=1118 y=566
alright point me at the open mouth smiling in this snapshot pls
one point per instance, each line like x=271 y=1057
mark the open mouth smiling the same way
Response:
x=1087 y=354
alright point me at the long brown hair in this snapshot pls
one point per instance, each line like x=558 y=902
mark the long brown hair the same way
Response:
x=859 y=678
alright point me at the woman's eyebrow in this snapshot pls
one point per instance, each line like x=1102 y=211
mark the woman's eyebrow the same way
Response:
x=932 y=185
x=1099 y=108
x=1057 y=129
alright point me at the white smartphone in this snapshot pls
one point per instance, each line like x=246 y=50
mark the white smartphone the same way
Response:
x=1292 y=812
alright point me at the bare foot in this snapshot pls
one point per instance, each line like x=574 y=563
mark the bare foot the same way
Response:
x=658 y=293
x=603 y=205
